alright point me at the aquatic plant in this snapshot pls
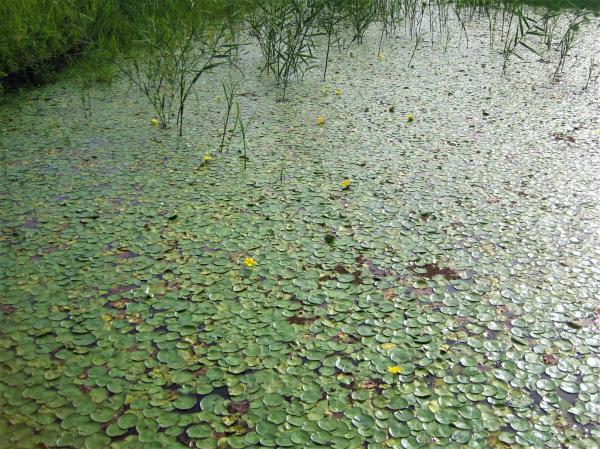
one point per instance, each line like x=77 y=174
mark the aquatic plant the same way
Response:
x=199 y=54
x=565 y=45
x=239 y=121
x=230 y=90
x=281 y=165
x=418 y=39
x=85 y=97
x=152 y=74
x=549 y=23
x=173 y=55
x=463 y=24
x=286 y=32
x=395 y=369
x=593 y=73
x=131 y=321
x=519 y=28
x=360 y=14
x=41 y=37
x=388 y=14
x=329 y=20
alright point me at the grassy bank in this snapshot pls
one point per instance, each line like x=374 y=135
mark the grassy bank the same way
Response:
x=39 y=37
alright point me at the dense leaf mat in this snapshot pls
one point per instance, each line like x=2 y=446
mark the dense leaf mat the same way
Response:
x=447 y=298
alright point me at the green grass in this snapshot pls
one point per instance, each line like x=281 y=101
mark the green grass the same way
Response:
x=34 y=31
x=38 y=37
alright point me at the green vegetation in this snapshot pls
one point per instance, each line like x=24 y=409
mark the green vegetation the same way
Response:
x=178 y=45
x=286 y=32
x=224 y=250
x=408 y=271
x=39 y=37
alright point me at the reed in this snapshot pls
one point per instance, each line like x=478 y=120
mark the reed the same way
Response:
x=286 y=31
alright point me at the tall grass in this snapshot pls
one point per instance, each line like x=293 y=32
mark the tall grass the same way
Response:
x=33 y=33
x=360 y=14
x=179 y=45
x=39 y=37
x=330 y=19
x=568 y=40
x=286 y=31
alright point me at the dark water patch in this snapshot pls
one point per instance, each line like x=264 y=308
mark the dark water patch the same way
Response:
x=370 y=384
x=344 y=338
x=412 y=291
x=569 y=398
x=118 y=304
x=184 y=439
x=535 y=397
x=377 y=272
x=340 y=269
x=549 y=359
x=301 y=320
x=431 y=270
x=41 y=71
x=240 y=407
x=130 y=432
x=119 y=289
x=124 y=255
x=32 y=223
x=559 y=137
x=7 y=309
x=492 y=334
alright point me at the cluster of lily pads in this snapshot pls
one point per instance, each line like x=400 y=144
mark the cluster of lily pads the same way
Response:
x=445 y=298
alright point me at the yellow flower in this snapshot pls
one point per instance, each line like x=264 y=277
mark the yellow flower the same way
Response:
x=338 y=92
x=320 y=120
x=249 y=262
x=207 y=157
x=345 y=183
x=380 y=56
x=597 y=132
x=154 y=122
x=410 y=117
x=395 y=369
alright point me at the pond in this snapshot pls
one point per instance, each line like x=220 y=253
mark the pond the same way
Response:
x=406 y=257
